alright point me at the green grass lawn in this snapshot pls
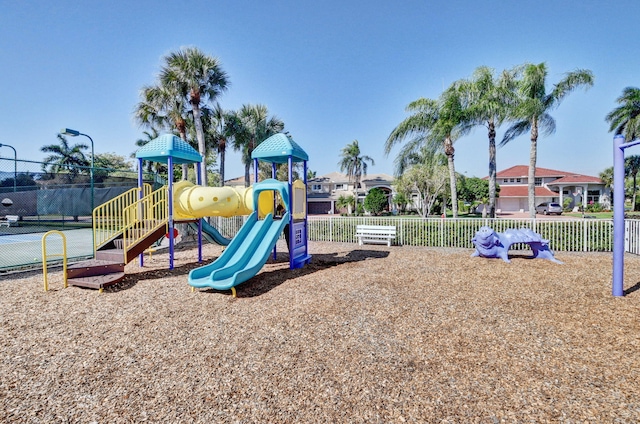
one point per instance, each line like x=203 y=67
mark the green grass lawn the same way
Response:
x=597 y=215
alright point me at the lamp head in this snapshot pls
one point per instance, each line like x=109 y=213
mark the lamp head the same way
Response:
x=69 y=131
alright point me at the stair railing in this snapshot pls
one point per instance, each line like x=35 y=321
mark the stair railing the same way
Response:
x=108 y=222
x=144 y=217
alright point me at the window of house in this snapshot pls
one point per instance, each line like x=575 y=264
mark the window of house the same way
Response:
x=593 y=196
x=512 y=180
x=316 y=187
x=565 y=192
x=538 y=181
x=506 y=180
x=341 y=186
x=518 y=180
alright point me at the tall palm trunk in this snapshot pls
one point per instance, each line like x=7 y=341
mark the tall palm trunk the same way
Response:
x=247 y=174
x=449 y=151
x=533 y=155
x=202 y=149
x=181 y=126
x=222 y=150
x=492 y=169
x=247 y=165
x=355 y=192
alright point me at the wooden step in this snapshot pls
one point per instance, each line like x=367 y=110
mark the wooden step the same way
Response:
x=97 y=281
x=94 y=267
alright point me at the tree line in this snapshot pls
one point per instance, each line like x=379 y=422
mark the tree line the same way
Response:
x=519 y=97
x=184 y=100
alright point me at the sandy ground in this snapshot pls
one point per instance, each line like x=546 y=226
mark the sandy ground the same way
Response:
x=363 y=334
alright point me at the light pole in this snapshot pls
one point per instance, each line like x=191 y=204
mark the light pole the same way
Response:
x=15 y=164
x=74 y=133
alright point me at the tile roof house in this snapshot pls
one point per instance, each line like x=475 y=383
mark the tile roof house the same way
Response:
x=551 y=186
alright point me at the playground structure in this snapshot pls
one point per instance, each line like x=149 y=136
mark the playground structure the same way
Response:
x=490 y=244
x=127 y=225
x=250 y=248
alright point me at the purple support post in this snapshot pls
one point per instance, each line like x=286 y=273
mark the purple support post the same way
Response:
x=140 y=195
x=199 y=182
x=170 y=205
x=618 y=212
x=618 y=216
x=306 y=212
x=292 y=241
x=255 y=174
x=275 y=205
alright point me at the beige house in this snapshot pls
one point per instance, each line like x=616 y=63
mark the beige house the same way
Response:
x=323 y=192
x=550 y=186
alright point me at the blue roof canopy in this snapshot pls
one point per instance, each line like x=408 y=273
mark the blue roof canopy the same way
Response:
x=161 y=148
x=278 y=148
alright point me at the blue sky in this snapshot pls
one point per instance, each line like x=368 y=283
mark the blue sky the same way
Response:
x=333 y=71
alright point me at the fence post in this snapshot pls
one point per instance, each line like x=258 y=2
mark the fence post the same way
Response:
x=330 y=228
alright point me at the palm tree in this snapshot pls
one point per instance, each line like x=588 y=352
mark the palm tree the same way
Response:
x=354 y=165
x=607 y=177
x=625 y=119
x=345 y=202
x=149 y=135
x=250 y=126
x=62 y=156
x=198 y=78
x=532 y=111
x=490 y=99
x=163 y=107
x=433 y=125
x=631 y=169
x=221 y=129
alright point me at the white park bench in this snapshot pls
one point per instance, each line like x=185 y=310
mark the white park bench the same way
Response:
x=375 y=234
x=9 y=221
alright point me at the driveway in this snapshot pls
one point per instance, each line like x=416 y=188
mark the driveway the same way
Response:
x=525 y=215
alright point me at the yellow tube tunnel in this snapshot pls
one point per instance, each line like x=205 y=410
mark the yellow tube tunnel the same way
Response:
x=193 y=201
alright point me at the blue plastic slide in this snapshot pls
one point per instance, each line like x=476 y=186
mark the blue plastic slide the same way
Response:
x=211 y=233
x=244 y=256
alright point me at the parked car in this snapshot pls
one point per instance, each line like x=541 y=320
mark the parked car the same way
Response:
x=547 y=208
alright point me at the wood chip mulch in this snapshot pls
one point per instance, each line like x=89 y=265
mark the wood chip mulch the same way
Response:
x=371 y=334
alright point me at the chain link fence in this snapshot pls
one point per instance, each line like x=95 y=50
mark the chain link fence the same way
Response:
x=37 y=197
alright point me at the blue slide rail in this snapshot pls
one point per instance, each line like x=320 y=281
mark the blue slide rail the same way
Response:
x=244 y=256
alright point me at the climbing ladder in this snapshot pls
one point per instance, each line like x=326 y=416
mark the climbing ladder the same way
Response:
x=123 y=228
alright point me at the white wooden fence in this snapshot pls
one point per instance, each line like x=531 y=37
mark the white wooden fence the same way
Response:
x=564 y=234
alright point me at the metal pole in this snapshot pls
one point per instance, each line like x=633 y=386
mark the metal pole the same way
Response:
x=199 y=182
x=15 y=165
x=170 y=207
x=618 y=216
x=140 y=196
x=91 y=171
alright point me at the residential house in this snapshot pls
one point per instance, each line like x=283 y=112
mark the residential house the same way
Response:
x=550 y=186
x=324 y=191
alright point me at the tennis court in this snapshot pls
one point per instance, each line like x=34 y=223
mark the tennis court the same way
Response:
x=25 y=250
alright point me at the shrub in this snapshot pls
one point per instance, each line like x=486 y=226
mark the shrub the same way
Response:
x=594 y=207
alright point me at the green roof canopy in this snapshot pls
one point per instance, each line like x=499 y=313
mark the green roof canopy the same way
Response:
x=278 y=148
x=168 y=145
